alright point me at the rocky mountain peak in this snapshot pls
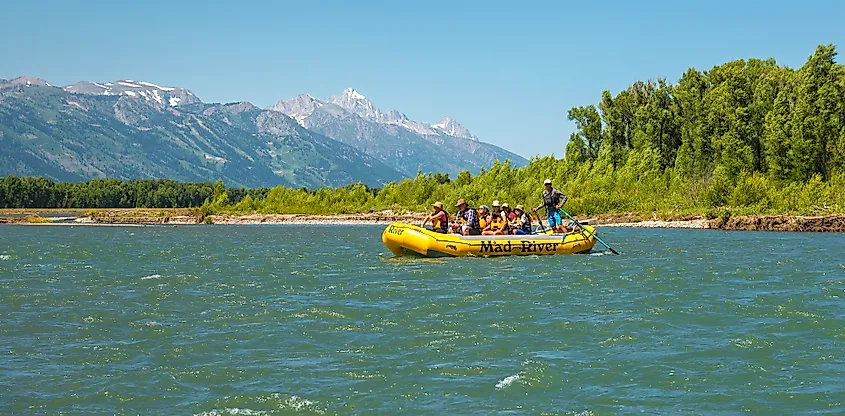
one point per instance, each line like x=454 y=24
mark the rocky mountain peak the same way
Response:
x=395 y=117
x=451 y=127
x=353 y=95
x=240 y=106
x=299 y=107
x=357 y=103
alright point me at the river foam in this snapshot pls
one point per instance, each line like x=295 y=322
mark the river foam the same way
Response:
x=507 y=381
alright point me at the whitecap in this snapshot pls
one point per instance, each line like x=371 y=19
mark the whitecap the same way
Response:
x=276 y=400
x=152 y=276
x=232 y=411
x=5 y=257
x=507 y=381
x=298 y=403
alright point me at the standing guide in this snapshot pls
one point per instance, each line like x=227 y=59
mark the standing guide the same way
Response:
x=553 y=200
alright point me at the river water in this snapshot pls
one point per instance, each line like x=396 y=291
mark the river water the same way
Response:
x=253 y=320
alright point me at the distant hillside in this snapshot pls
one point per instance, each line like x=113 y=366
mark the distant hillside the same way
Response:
x=130 y=129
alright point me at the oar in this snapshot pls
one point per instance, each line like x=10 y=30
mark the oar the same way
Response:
x=591 y=233
x=539 y=221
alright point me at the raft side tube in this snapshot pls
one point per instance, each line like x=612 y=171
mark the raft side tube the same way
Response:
x=394 y=246
x=399 y=237
x=402 y=239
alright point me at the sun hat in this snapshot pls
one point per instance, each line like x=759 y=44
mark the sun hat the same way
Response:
x=547 y=182
x=438 y=204
x=505 y=205
x=496 y=203
x=519 y=207
x=460 y=201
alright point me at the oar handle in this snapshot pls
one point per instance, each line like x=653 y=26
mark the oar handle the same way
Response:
x=591 y=233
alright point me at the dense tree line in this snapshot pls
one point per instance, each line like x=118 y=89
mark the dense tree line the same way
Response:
x=26 y=192
x=748 y=136
x=741 y=117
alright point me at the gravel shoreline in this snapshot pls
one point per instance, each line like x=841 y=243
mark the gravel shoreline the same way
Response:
x=824 y=223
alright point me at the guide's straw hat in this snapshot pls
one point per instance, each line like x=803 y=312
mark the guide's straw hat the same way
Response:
x=518 y=207
x=460 y=201
x=547 y=182
x=438 y=204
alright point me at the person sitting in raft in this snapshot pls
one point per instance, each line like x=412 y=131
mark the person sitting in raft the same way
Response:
x=504 y=216
x=522 y=223
x=497 y=209
x=497 y=225
x=467 y=220
x=439 y=219
x=553 y=200
x=510 y=214
x=483 y=217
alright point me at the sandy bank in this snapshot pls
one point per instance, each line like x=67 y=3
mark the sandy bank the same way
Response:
x=797 y=223
x=699 y=224
x=186 y=217
x=366 y=218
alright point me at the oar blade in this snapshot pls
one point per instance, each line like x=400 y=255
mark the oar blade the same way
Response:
x=590 y=232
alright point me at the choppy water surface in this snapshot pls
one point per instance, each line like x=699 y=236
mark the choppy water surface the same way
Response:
x=220 y=320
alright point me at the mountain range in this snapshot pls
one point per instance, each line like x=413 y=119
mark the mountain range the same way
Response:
x=137 y=129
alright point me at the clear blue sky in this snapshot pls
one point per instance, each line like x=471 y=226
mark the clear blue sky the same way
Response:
x=508 y=72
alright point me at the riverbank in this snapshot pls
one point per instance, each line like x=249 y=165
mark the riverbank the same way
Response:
x=186 y=216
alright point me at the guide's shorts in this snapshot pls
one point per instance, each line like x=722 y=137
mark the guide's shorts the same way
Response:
x=554 y=219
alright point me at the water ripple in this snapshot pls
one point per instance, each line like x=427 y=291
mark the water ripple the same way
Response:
x=322 y=320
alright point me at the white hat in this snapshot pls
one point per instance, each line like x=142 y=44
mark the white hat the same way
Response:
x=496 y=203
x=547 y=182
x=505 y=205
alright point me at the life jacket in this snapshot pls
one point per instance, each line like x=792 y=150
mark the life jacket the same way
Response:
x=497 y=222
x=525 y=227
x=482 y=222
x=462 y=218
x=437 y=224
x=553 y=198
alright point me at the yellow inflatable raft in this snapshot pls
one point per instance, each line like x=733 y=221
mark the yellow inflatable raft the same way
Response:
x=401 y=238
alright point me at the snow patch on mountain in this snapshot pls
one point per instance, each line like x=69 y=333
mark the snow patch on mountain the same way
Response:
x=153 y=93
x=150 y=84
